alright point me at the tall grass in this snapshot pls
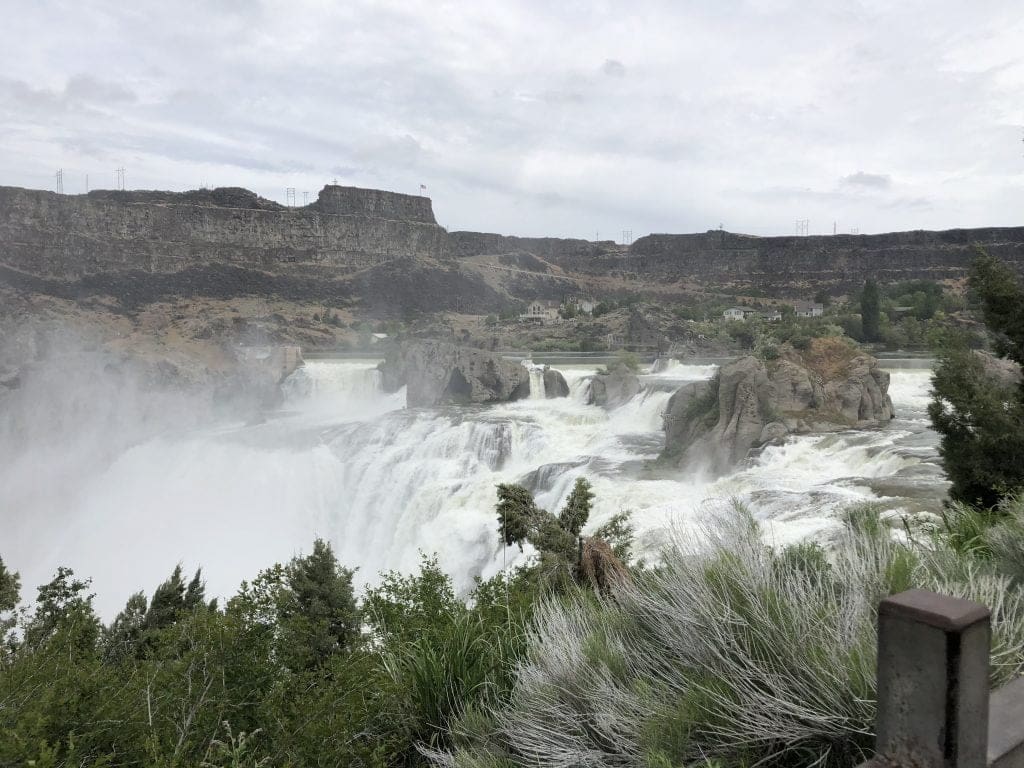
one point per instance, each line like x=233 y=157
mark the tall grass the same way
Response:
x=732 y=653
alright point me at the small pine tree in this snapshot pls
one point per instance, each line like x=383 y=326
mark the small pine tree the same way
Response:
x=321 y=606
x=123 y=638
x=167 y=603
x=516 y=514
x=574 y=514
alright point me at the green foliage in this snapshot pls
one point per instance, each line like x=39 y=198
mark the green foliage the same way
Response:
x=733 y=654
x=576 y=511
x=870 y=311
x=1001 y=294
x=10 y=594
x=979 y=416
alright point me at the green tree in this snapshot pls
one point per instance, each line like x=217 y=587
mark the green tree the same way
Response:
x=320 y=607
x=574 y=514
x=979 y=415
x=10 y=594
x=63 y=603
x=870 y=311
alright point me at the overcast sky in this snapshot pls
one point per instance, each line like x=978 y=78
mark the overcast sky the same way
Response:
x=536 y=118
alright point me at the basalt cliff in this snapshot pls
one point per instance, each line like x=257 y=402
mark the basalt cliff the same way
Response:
x=385 y=253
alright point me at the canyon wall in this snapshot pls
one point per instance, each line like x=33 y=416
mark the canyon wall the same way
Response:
x=68 y=236
x=719 y=258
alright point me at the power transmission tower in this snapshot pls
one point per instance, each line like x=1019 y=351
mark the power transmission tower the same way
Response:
x=87 y=183
x=60 y=181
x=802 y=226
x=855 y=231
x=120 y=178
x=627 y=237
x=305 y=198
x=289 y=197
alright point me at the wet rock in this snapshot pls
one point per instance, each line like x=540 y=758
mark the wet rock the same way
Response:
x=612 y=389
x=555 y=384
x=712 y=426
x=438 y=373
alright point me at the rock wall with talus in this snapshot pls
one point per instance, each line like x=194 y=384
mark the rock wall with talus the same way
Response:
x=711 y=426
x=346 y=229
x=719 y=258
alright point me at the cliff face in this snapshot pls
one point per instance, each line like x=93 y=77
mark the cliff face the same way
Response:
x=842 y=261
x=725 y=258
x=68 y=236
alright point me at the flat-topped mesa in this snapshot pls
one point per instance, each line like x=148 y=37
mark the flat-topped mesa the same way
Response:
x=49 y=235
x=375 y=203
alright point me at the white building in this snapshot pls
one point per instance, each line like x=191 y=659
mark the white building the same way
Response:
x=735 y=313
x=808 y=309
x=771 y=315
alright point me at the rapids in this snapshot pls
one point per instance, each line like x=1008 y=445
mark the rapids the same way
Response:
x=386 y=484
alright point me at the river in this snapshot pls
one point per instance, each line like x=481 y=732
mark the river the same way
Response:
x=344 y=461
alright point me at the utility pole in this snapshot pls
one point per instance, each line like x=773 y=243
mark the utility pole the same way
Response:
x=87 y=183
x=305 y=198
x=60 y=181
x=833 y=228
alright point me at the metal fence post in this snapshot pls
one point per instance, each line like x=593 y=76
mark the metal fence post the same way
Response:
x=933 y=690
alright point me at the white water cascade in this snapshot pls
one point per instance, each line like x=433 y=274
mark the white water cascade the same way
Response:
x=384 y=483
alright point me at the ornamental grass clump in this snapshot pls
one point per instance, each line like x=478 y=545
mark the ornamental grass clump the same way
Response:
x=731 y=652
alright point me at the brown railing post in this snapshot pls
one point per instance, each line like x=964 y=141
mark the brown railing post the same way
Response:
x=932 y=681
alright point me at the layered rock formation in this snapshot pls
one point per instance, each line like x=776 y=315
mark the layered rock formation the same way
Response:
x=346 y=228
x=840 y=262
x=440 y=373
x=712 y=426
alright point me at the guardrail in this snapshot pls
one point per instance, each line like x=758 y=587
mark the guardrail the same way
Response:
x=935 y=709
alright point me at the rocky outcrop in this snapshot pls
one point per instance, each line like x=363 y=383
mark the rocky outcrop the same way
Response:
x=613 y=388
x=439 y=373
x=555 y=384
x=712 y=426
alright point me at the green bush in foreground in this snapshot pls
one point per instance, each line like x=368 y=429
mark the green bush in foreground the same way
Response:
x=734 y=653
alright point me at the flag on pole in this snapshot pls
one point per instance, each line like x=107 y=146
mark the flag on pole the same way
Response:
x=423 y=189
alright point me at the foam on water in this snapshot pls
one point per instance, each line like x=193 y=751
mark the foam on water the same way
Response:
x=385 y=483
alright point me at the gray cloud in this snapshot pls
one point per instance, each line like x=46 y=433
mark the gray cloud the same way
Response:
x=747 y=118
x=870 y=180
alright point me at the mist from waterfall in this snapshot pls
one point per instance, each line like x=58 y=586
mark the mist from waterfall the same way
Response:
x=345 y=461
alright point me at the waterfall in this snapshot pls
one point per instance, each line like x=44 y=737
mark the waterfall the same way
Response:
x=537 y=391
x=347 y=462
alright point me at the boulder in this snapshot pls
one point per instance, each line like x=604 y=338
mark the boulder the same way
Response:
x=712 y=426
x=439 y=373
x=555 y=384
x=613 y=388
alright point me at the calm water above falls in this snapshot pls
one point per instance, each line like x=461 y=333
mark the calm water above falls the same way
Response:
x=384 y=483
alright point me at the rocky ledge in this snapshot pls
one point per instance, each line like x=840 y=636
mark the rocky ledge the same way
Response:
x=440 y=373
x=711 y=426
x=613 y=388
